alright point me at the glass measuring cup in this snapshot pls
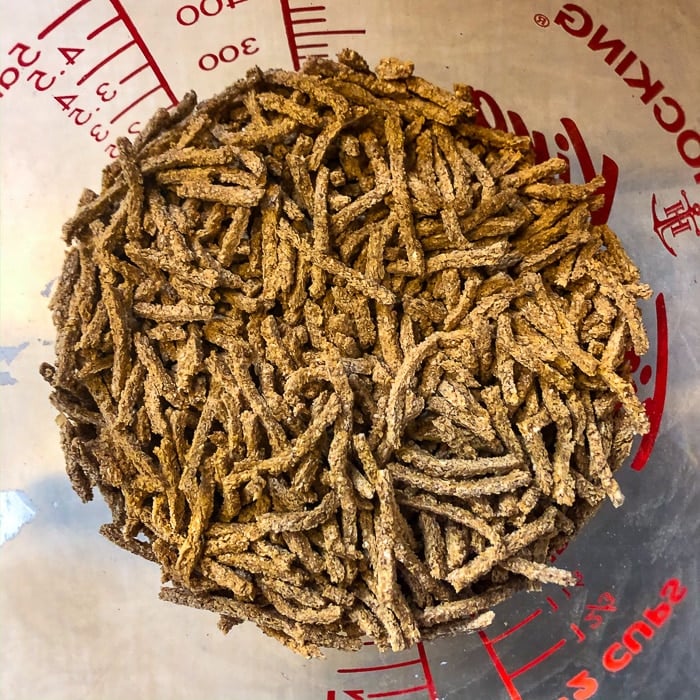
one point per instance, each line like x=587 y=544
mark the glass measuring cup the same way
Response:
x=95 y=69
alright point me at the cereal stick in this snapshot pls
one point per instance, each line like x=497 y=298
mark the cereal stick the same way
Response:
x=456 y=544
x=449 y=101
x=227 y=578
x=460 y=172
x=434 y=544
x=320 y=229
x=467 y=607
x=337 y=454
x=451 y=629
x=272 y=102
x=395 y=147
x=539 y=572
x=356 y=208
x=384 y=526
x=598 y=465
x=434 y=466
x=463 y=489
x=573 y=193
x=476 y=568
x=563 y=483
x=529 y=533
x=239 y=366
x=489 y=254
x=252 y=138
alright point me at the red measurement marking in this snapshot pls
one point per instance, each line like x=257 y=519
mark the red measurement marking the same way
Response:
x=106 y=60
x=312 y=46
x=134 y=103
x=123 y=16
x=552 y=603
x=385 y=667
x=601 y=608
x=326 y=32
x=396 y=693
x=308 y=8
x=566 y=592
x=290 y=23
x=133 y=73
x=515 y=628
x=558 y=553
x=654 y=405
x=317 y=55
x=311 y=20
x=544 y=655
x=508 y=677
x=427 y=672
x=422 y=659
x=578 y=632
x=500 y=668
x=145 y=51
x=102 y=27
x=289 y=30
x=61 y=18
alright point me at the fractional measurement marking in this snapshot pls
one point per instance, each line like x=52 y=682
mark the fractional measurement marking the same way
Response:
x=144 y=62
x=108 y=69
x=623 y=650
x=605 y=604
x=419 y=662
x=303 y=42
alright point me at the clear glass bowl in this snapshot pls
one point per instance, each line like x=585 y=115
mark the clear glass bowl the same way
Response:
x=80 y=618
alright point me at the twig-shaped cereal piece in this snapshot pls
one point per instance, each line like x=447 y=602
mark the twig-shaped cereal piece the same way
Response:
x=395 y=147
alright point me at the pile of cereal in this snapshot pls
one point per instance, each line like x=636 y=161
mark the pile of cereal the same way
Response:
x=341 y=361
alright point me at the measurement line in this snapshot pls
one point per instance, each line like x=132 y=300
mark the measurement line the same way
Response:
x=544 y=655
x=289 y=30
x=325 y=32
x=515 y=628
x=313 y=55
x=601 y=608
x=552 y=603
x=310 y=20
x=106 y=60
x=310 y=8
x=312 y=46
x=102 y=27
x=134 y=103
x=144 y=50
x=293 y=36
x=61 y=18
x=432 y=692
x=396 y=693
x=505 y=677
x=385 y=667
x=133 y=73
